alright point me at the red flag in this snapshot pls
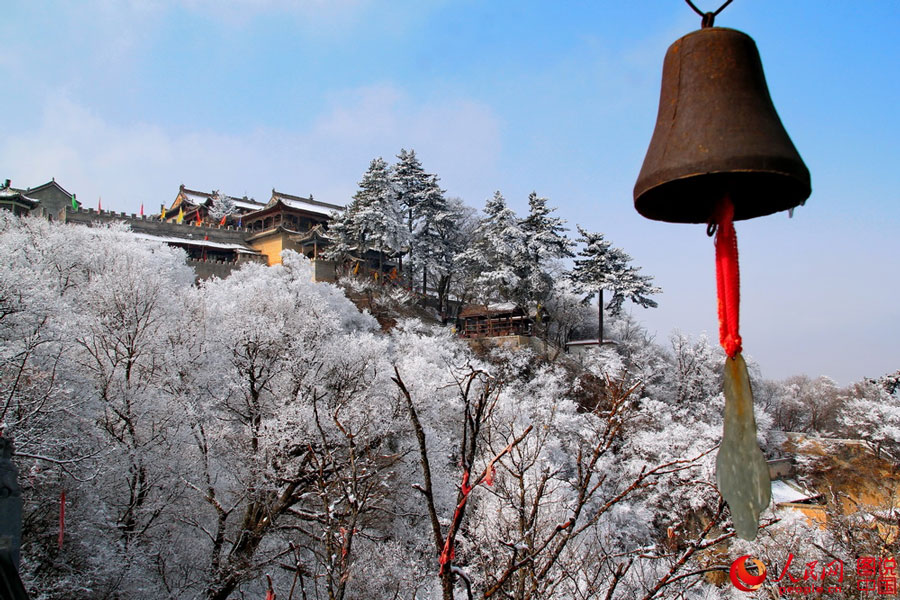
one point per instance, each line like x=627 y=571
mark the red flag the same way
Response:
x=99 y=203
x=142 y=209
x=199 y=220
x=62 y=517
x=222 y=222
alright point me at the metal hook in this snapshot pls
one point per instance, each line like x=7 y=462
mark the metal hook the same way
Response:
x=708 y=18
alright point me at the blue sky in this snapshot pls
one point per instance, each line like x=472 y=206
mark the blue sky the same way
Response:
x=127 y=99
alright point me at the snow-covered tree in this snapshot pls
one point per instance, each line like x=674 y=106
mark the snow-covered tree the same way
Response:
x=871 y=412
x=91 y=375
x=221 y=206
x=411 y=184
x=373 y=220
x=571 y=316
x=546 y=238
x=600 y=266
x=291 y=432
x=808 y=405
x=442 y=232
x=530 y=493
x=496 y=252
x=545 y=243
x=210 y=437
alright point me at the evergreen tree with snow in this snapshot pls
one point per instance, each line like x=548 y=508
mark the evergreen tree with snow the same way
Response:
x=600 y=267
x=433 y=220
x=373 y=221
x=546 y=234
x=411 y=184
x=221 y=206
x=453 y=240
x=496 y=251
x=438 y=237
x=545 y=243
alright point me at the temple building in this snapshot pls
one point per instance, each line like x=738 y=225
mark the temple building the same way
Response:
x=194 y=205
x=285 y=222
x=218 y=232
x=495 y=320
x=48 y=200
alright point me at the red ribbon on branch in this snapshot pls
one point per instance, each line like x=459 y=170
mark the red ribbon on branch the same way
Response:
x=62 y=518
x=728 y=278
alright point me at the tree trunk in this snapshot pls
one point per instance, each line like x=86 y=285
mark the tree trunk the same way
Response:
x=600 y=319
x=443 y=284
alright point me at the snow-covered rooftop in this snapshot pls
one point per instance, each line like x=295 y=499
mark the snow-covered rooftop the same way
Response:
x=307 y=206
x=502 y=306
x=195 y=197
x=177 y=240
x=247 y=204
x=8 y=192
x=787 y=491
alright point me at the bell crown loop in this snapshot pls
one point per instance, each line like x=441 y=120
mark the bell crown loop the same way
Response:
x=708 y=19
x=717 y=133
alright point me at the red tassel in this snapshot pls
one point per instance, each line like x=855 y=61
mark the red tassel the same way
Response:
x=728 y=279
x=62 y=518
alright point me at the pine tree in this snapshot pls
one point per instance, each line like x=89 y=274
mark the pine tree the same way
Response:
x=545 y=242
x=496 y=250
x=546 y=234
x=372 y=221
x=221 y=206
x=438 y=238
x=433 y=219
x=603 y=267
x=411 y=184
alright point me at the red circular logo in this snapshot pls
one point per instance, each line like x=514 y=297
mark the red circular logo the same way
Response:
x=743 y=579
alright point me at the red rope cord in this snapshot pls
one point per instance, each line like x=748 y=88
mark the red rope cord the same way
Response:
x=62 y=518
x=728 y=278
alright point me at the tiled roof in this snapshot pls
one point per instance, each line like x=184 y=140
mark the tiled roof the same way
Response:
x=177 y=240
x=246 y=204
x=307 y=203
x=501 y=308
x=12 y=194
x=316 y=233
x=195 y=196
x=51 y=183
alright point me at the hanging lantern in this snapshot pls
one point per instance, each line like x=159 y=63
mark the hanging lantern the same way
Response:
x=719 y=153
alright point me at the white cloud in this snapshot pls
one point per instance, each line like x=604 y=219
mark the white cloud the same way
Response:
x=145 y=163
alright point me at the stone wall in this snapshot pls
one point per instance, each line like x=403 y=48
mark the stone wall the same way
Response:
x=153 y=226
x=324 y=270
x=212 y=268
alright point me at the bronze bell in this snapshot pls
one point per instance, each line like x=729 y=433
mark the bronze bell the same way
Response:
x=717 y=133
